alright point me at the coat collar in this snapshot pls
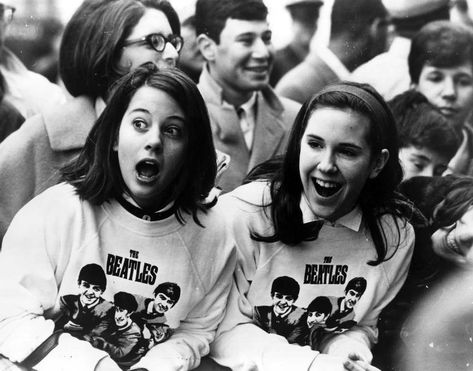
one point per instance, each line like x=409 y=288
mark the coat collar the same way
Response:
x=69 y=125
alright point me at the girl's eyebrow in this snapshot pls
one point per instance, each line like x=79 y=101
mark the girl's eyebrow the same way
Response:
x=351 y=145
x=139 y=109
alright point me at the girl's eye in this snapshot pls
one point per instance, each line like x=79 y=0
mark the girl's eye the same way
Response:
x=139 y=124
x=173 y=131
x=314 y=144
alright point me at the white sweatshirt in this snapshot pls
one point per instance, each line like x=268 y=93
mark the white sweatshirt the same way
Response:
x=56 y=234
x=323 y=267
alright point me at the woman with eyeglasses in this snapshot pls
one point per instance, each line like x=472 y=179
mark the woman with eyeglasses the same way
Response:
x=103 y=41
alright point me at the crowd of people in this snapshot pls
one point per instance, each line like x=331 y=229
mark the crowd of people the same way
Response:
x=198 y=200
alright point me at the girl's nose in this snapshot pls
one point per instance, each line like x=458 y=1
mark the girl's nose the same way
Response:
x=327 y=162
x=153 y=139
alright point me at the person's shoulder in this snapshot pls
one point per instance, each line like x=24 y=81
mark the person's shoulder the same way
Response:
x=255 y=193
x=290 y=105
x=60 y=200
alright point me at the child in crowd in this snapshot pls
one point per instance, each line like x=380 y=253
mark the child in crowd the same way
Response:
x=427 y=140
x=442 y=242
x=133 y=204
x=441 y=68
x=328 y=213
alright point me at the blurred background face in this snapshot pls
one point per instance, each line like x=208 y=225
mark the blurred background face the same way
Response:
x=6 y=15
x=153 y=21
x=449 y=89
x=422 y=161
x=191 y=60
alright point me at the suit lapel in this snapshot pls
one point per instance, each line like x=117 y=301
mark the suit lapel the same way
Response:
x=268 y=134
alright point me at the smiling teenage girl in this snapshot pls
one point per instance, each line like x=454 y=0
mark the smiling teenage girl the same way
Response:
x=132 y=204
x=328 y=218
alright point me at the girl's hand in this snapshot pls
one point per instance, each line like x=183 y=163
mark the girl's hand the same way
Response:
x=355 y=363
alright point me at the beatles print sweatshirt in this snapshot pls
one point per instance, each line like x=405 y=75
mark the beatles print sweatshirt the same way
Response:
x=334 y=266
x=56 y=234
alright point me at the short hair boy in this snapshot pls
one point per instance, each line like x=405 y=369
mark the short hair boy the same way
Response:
x=427 y=140
x=441 y=68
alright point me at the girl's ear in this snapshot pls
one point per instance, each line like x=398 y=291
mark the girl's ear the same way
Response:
x=379 y=163
x=207 y=47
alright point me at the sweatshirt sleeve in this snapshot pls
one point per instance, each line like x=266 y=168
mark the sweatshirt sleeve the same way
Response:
x=361 y=337
x=184 y=349
x=29 y=289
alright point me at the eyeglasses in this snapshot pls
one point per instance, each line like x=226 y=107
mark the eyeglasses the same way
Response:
x=158 y=42
x=6 y=13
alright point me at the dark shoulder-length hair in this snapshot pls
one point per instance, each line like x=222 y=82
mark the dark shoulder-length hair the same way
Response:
x=96 y=173
x=93 y=38
x=379 y=195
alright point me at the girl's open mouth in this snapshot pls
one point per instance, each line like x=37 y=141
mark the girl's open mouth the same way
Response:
x=326 y=188
x=147 y=170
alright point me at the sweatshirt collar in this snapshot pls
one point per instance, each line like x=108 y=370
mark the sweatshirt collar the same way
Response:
x=352 y=220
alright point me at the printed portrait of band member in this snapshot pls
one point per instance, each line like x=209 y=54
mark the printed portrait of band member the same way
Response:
x=81 y=313
x=150 y=315
x=122 y=337
x=318 y=311
x=342 y=317
x=283 y=317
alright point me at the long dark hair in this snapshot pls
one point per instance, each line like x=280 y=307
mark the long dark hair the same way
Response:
x=96 y=173
x=379 y=195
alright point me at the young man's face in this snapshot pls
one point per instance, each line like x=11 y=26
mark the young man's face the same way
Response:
x=282 y=303
x=121 y=316
x=449 y=89
x=315 y=317
x=422 y=161
x=89 y=293
x=351 y=298
x=244 y=56
x=162 y=303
